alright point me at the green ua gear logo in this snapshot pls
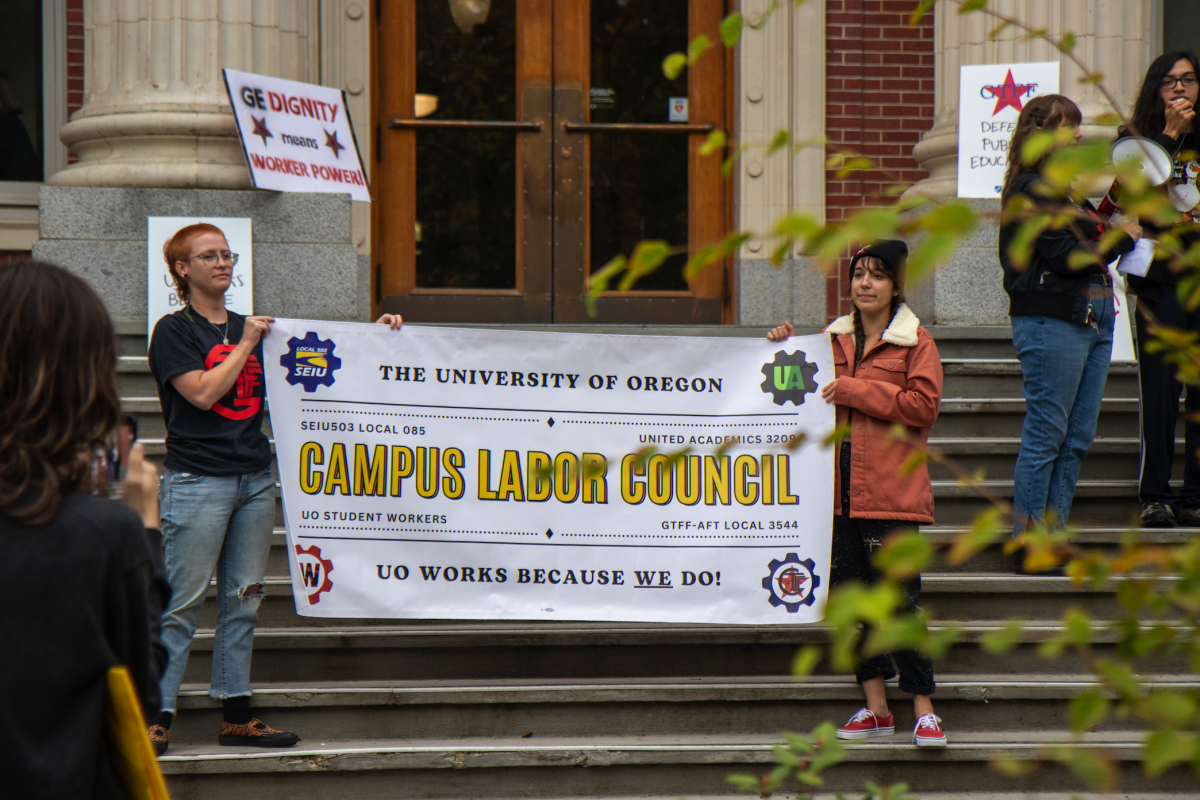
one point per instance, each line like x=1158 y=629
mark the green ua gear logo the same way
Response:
x=789 y=378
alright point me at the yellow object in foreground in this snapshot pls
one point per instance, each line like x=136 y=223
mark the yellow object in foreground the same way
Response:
x=130 y=748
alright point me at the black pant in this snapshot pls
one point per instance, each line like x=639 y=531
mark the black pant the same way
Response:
x=1159 y=391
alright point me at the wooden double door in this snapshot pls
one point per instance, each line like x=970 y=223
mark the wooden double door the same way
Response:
x=522 y=144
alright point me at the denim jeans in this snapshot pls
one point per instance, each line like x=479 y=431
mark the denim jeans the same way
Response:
x=220 y=524
x=1065 y=367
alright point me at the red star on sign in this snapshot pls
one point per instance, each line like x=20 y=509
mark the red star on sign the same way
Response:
x=260 y=129
x=332 y=143
x=1008 y=93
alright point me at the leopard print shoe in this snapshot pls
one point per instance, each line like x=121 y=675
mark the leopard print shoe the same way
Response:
x=255 y=733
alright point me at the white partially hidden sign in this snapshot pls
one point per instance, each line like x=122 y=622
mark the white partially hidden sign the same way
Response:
x=297 y=136
x=161 y=298
x=990 y=98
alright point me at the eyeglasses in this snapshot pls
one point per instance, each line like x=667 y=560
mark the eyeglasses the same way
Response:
x=212 y=259
x=1187 y=80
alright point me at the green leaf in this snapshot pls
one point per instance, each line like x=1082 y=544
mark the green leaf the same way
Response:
x=715 y=141
x=952 y=217
x=920 y=11
x=904 y=556
x=1037 y=146
x=932 y=250
x=647 y=256
x=1168 y=709
x=854 y=165
x=985 y=529
x=1002 y=640
x=972 y=5
x=600 y=280
x=733 y=158
x=1013 y=767
x=1068 y=42
x=1165 y=748
x=806 y=661
x=1093 y=768
x=1088 y=710
x=1078 y=627
x=1118 y=677
x=731 y=29
x=673 y=64
x=781 y=140
x=697 y=48
x=901 y=633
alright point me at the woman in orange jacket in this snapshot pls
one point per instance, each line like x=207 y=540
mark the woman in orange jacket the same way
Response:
x=887 y=373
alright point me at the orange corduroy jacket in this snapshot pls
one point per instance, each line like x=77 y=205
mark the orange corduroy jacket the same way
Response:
x=898 y=382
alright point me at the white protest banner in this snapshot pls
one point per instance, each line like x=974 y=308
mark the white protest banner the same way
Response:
x=484 y=474
x=297 y=136
x=990 y=98
x=161 y=298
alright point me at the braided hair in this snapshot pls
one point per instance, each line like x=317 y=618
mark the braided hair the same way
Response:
x=892 y=272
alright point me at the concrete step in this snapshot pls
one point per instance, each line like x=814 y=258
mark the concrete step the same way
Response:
x=957 y=596
x=347 y=650
x=629 y=765
x=671 y=706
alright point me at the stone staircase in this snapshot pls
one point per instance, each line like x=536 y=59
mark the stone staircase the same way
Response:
x=433 y=709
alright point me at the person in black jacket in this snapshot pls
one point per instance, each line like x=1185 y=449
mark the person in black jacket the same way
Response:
x=1165 y=111
x=81 y=582
x=1062 y=321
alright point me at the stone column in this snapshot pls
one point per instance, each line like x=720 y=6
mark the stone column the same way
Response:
x=781 y=86
x=1115 y=37
x=155 y=111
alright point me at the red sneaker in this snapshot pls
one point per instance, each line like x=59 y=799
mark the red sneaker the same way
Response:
x=864 y=725
x=928 y=732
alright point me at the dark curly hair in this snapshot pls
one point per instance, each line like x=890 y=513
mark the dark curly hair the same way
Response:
x=1149 y=112
x=58 y=395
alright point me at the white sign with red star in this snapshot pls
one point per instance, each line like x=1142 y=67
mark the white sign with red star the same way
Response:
x=990 y=98
x=297 y=136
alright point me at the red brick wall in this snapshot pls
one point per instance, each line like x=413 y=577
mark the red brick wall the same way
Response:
x=878 y=102
x=74 y=60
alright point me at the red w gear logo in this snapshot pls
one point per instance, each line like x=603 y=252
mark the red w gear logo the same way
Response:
x=247 y=390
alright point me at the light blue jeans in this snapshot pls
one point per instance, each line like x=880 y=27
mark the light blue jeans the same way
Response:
x=220 y=524
x=1065 y=367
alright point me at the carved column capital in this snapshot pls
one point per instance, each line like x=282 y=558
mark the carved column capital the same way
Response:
x=1114 y=39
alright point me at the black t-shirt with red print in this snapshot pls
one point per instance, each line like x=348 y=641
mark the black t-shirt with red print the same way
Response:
x=227 y=439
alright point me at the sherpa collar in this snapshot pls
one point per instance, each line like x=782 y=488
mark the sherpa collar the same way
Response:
x=901 y=331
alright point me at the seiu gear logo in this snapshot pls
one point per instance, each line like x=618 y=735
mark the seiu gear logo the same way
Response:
x=310 y=362
x=314 y=572
x=789 y=378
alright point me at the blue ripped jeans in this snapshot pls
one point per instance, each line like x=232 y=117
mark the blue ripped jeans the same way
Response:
x=1065 y=367
x=220 y=524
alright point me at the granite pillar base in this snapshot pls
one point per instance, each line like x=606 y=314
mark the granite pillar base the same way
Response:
x=305 y=261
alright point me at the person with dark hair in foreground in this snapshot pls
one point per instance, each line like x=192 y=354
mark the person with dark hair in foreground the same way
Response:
x=887 y=373
x=1062 y=323
x=1165 y=111
x=81 y=581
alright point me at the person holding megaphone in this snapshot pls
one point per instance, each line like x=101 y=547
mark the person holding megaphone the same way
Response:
x=1165 y=114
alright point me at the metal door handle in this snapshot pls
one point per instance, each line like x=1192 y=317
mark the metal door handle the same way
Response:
x=634 y=127
x=464 y=125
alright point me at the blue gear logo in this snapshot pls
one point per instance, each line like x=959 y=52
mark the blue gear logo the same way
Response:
x=789 y=377
x=791 y=582
x=310 y=361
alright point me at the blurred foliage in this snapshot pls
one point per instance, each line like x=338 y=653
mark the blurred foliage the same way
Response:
x=1157 y=586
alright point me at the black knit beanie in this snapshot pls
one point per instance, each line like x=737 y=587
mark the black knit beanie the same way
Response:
x=892 y=252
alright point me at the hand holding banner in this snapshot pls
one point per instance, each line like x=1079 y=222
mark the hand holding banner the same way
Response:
x=452 y=473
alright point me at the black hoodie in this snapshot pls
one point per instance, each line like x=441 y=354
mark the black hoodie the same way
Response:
x=1049 y=286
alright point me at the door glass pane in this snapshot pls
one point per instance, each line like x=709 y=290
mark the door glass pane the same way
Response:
x=466 y=180
x=21 y=91
x=639 y=181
